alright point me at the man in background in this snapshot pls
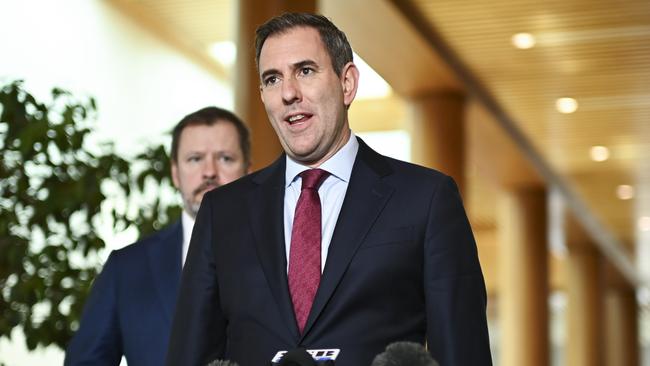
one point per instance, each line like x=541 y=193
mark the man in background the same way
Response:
x=130 y=307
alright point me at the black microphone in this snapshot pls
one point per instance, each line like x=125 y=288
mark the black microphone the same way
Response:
x=297 y=357
x=404 y=354
x=222 y=363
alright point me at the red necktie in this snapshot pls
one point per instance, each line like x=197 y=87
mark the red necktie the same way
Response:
x=304 y=255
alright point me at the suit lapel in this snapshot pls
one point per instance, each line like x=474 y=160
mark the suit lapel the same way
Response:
x=165 y=263
x=366 y=193
x=266 y=207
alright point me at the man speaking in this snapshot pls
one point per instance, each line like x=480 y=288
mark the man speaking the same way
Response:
x=333 y=246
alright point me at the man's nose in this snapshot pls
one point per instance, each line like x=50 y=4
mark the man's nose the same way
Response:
x=291 y=91
x=210 y=169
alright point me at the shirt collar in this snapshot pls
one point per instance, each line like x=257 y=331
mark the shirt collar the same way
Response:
x=188 y=223
x=339 y=165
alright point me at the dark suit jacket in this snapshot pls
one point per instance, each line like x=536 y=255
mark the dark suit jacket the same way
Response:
x=131 y=305
x=402 y=265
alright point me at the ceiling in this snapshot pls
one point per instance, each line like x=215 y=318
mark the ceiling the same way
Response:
x=204 y=21
x=595 y=51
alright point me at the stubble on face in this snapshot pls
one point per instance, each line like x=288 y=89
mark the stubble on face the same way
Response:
x=192 y=201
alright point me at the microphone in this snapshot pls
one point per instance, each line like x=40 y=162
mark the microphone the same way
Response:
x=297 y=357
x=305 y=357
x=222 y=363
x=404 y=354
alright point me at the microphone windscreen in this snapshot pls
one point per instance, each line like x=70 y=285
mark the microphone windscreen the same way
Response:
x=404 y=354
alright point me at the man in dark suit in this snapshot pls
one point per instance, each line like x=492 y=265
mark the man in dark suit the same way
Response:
x=131 y=305
x=333 y=245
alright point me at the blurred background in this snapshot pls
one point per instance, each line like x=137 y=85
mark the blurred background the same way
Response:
x=539 y=109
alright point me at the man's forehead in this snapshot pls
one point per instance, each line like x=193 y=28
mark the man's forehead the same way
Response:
x=298 y=30
x=295 y=39
x=217 y=132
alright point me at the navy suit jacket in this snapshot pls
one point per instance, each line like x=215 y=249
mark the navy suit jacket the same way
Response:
x=402 y=265
x=131 y=304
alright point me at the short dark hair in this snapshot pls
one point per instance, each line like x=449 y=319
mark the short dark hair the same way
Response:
x=209 y=116
x=336 y=43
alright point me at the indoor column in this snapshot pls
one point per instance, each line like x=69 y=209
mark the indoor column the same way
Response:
x=265 y=144
x=584 y=286
x=621 y=322
x=436 y=123
x=523 y=267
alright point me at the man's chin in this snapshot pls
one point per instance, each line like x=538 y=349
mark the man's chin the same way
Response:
x=194 y=209
x=199 y=197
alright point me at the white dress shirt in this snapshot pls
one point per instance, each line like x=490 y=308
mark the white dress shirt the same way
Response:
x=331 y=192
x=187 y=222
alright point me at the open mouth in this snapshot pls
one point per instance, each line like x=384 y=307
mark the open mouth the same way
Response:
x=298 y=118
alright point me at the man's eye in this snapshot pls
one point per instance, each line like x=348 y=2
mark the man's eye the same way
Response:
x=271 y=80
x=306 y=71
x=227 y=159
x=193 y=159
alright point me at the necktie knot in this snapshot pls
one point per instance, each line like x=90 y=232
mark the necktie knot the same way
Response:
x=313 y=178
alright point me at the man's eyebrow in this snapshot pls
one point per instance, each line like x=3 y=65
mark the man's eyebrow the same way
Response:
x=295 y=66
x=269 y=72
x=301 y=64
x=192 y=152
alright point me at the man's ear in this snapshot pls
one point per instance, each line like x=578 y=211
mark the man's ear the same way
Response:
x=261 y=94
x=349 y=82
x=175 y=179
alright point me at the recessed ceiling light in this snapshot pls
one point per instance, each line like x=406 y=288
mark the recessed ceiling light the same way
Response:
x=566 y=105
x=599 y=153
x=625 y=192
x=644 y=223
x=523 y=41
